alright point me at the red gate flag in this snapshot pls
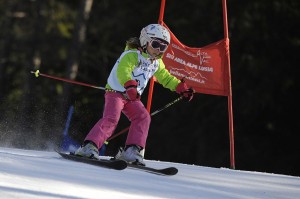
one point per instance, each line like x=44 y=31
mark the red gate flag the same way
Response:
x=205 y=68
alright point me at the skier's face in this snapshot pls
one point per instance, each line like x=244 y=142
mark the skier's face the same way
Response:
x=153 y=52
x=156 y=48
x=159 y=45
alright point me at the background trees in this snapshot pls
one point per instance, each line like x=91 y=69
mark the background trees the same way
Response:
x=81 y=40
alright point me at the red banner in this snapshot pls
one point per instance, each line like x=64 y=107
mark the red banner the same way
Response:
x=205 y=69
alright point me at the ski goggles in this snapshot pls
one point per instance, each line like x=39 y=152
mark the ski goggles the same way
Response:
x=157 y=44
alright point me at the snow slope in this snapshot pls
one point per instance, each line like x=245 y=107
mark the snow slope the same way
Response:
x=39 y=174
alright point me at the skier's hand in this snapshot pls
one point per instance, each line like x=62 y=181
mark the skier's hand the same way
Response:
x=131 y=90
x=186 y=92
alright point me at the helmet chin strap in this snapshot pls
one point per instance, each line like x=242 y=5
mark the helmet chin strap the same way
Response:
x=146 y=51
x=150 y=56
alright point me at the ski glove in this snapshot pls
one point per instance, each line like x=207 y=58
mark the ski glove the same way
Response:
x=131 y=90
x=184 y=91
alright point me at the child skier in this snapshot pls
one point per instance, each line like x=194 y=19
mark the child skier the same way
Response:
x=137 y=64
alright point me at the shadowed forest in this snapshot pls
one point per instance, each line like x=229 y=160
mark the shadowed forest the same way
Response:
x=81 y=40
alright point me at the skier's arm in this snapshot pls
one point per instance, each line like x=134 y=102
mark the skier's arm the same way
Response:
x=165 y=78
x=169 y=81
x=126 y=66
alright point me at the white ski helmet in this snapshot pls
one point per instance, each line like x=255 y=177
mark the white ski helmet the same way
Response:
x=154 y=31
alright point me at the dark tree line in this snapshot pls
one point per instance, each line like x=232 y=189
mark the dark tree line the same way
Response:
x=82 y=39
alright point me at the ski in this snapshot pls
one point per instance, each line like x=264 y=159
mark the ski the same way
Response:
x=111 y=164
x=168 y=171
x=118 y=164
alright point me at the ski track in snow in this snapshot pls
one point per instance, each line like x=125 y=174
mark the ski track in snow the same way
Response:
x=41 y=174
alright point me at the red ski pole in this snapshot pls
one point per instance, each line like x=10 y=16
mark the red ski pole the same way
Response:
x=37 y=74
x=152 y=114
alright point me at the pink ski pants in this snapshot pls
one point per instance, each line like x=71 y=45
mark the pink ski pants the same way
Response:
x=135 y=111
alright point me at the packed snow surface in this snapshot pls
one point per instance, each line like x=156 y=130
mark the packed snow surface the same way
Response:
x=43 y=174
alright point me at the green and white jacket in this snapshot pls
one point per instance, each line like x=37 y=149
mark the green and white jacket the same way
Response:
x=134 y=65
